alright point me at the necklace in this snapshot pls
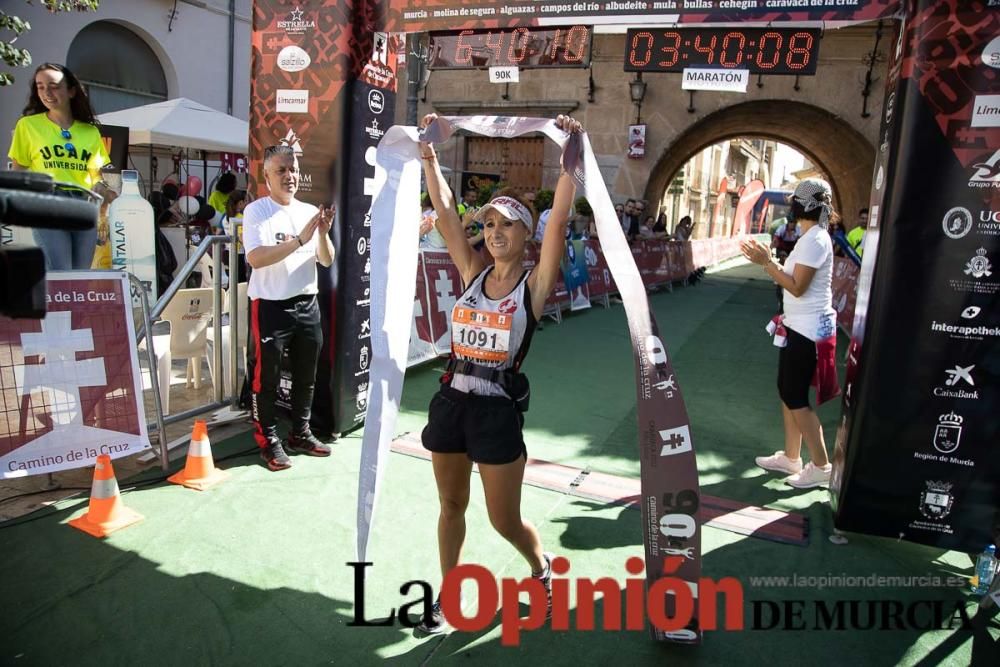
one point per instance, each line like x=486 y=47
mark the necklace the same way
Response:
x=61 y=126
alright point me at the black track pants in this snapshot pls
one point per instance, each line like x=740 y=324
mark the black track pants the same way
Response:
x=292 y=324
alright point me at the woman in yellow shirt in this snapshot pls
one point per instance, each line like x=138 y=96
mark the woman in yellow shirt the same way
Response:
x=57 y=135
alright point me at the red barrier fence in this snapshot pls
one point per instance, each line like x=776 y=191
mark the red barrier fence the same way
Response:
x=845 y=291
x=659 y=261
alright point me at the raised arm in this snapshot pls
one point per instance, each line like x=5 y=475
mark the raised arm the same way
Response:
x=468 y=262
x=544 y=277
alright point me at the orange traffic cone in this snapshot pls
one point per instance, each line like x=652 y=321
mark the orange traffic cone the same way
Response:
x=107 y=513
x=199 y=471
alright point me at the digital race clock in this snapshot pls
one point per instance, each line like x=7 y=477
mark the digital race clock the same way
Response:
x=511 y=47
x=760 y=50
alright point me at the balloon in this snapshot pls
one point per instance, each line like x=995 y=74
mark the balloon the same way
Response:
x=188 y=205
x=193 y=186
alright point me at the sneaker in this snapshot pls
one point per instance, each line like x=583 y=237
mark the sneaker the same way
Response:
x=779 y=462
x=275 y=457
x=437 y=623
x=545 y=576
x=307 y=444
x=810 y=476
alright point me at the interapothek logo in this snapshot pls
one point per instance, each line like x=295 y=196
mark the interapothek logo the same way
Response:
x=292 y=101
x=965 y=332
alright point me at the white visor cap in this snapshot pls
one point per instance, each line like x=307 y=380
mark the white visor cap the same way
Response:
x=509 y=208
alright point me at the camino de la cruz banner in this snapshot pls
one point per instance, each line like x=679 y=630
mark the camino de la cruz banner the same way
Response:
x=417 y=15
x=70 y=384
x=919 y=433
x=323 y=82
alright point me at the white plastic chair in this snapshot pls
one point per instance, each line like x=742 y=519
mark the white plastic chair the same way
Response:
x=242 y=312
x=188 y=315
x=205 y=265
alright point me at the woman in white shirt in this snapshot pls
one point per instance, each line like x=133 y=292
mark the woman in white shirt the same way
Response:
x=809 y=317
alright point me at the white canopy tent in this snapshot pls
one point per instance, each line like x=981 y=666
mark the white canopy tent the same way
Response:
x=182 y=123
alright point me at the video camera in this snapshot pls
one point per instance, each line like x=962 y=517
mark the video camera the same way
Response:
x=30 y=199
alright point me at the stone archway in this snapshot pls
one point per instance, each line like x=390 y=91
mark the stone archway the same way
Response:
x=829 y=142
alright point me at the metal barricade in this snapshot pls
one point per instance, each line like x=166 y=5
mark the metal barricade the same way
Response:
x=149 y=315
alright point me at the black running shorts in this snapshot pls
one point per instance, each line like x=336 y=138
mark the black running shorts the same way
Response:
x=487 y=429
x=796 y=367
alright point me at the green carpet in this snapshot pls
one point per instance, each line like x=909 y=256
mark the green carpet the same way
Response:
x=254 y=571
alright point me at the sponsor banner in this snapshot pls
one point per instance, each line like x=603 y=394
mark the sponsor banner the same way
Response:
x=844 y=285
x=472 y=180
x=444 y=286
x=637 y=141
x=418 y=15
x=350 y=342
x=668 y=468
x=718 y=221
x=719 y=80
x=71 y=382
x=115 y=138
x=323 y=83
x=233 y=162
x=749 y=195
x=422 y=346
x=708 y=252
x=918 y=433
x=576 y=278
x=600 y=282
x=302 y=47
x=559 y=299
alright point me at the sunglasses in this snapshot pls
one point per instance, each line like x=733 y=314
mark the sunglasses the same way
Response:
x=68 y=146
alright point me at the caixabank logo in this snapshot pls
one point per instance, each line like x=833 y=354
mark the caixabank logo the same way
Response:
x=606 y=604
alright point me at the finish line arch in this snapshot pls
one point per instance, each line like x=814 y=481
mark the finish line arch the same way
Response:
x=831 y=143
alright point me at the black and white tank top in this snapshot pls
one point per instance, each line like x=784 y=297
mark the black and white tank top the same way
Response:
x=490 y=332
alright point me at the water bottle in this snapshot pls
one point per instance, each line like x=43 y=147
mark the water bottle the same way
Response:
x=986 y=567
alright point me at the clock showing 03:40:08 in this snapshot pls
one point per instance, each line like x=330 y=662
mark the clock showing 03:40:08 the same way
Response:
x=760 y=50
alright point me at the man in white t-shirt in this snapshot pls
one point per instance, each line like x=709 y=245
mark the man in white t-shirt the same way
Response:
x=284 y=238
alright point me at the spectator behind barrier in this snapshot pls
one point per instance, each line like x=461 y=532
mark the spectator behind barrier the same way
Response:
x=856 y=235
x=223 y=188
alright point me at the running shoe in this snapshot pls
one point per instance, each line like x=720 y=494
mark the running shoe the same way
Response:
x=779 y=462
x=811 y=476
x=275 y=457
x=437 y=623
x=307 y=443
x=545 y=576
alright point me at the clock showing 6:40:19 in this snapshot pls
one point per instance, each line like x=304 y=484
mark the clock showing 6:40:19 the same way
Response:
x=760 y=50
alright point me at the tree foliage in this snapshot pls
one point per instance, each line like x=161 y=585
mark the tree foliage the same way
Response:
x=17 y=57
